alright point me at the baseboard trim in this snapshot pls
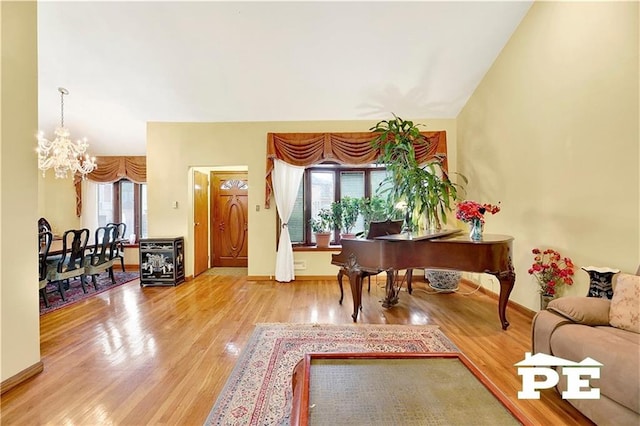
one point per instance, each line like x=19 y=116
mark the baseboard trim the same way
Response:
x=21 y=377
x=510 y=304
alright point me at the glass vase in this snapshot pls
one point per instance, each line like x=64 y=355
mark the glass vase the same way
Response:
x=544 y=300
x=475 y=232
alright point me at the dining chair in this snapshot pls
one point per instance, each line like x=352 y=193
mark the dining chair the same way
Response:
x=102 y=258
x=71 y=261
x=122 y=230
x=43 y=225
x=44 y=244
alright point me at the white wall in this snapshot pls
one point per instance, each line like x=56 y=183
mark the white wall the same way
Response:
x=19 y=312
x=552 y=133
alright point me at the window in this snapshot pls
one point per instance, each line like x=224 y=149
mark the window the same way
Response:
x=124 y=201
x=323 y=184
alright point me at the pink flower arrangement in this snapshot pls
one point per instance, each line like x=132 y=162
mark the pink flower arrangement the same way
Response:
x=551 y=270
x=468 y=211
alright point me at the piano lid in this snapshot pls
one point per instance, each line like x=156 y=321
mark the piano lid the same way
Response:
x=420 y=235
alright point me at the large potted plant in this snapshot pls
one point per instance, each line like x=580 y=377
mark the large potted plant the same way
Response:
x=376 y=209
x=322 y=226
x=425 y=189
x=345 y=215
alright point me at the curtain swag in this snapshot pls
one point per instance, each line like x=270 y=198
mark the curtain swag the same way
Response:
x=112 y=169
x=306 y=149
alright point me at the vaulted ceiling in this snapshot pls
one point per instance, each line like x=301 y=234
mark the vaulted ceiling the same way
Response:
x=127 y=63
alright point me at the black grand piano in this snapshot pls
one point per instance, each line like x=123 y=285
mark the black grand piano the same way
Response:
x=389 y=252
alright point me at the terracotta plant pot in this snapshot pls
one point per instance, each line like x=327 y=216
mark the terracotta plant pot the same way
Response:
x=347 y=236
x=323 y=238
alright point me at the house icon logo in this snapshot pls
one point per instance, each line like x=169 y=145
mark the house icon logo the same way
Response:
x=540 y=365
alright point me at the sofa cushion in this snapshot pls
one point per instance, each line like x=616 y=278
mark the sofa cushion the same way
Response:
x=583 y=310
x=625 y=304
x=622 y=334
x=619 y=375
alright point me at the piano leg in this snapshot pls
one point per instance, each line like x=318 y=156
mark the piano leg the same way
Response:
x=355 y=281
x=507 y=280
x=340 y=274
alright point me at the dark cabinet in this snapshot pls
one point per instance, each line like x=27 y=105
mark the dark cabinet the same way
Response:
x=161 y=261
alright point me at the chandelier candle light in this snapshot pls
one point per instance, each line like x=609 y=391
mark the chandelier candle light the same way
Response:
x=473 y=212
x=61 y=154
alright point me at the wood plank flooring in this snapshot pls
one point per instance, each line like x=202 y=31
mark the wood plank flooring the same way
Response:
x=160 y=356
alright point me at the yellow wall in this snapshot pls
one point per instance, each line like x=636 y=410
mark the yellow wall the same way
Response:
x=173 y=148
x=57 y=202
x=19 y=312
x=552 y=133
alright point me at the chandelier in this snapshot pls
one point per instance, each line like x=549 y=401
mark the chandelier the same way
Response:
x=61 y=154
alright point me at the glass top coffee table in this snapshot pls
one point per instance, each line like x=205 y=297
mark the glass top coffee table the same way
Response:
x=397 y=389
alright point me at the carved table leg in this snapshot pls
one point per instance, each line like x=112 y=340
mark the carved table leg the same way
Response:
x=355 y=281
x=409 y=278
x=340 y=274
x=507 y=280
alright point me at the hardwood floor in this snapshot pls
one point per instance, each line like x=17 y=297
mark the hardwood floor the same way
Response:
x=139 y=356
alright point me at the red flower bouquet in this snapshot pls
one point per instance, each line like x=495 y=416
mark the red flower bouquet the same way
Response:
x=551 y=270
x=469 y=211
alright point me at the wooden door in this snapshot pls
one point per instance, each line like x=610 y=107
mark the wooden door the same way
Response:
x=229 y=227
x=200 y=222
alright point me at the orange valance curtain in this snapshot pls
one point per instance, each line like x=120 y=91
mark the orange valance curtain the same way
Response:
x=112 y=169
x=306 y=149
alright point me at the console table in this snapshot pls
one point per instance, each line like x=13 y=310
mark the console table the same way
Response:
x=161 y=261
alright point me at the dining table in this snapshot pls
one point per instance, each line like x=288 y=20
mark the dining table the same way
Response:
x=56 y=245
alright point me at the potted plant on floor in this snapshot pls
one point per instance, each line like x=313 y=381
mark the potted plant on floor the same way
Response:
x=345 y=215
x=425 y=188
x=552 y=271
x=322 y=226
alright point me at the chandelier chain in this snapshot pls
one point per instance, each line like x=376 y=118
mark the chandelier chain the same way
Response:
x=61 y=108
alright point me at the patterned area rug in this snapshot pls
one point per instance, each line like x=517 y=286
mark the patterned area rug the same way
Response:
x=75 y=293
x=258 y=391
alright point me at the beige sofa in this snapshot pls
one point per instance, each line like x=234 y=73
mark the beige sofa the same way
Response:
x=607 y=331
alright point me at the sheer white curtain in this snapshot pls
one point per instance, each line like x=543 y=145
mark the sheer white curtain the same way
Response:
x=286 y=180
x=89 y=216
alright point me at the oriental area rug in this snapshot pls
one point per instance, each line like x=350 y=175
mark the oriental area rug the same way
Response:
x=258 y=391
x=75 y=293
